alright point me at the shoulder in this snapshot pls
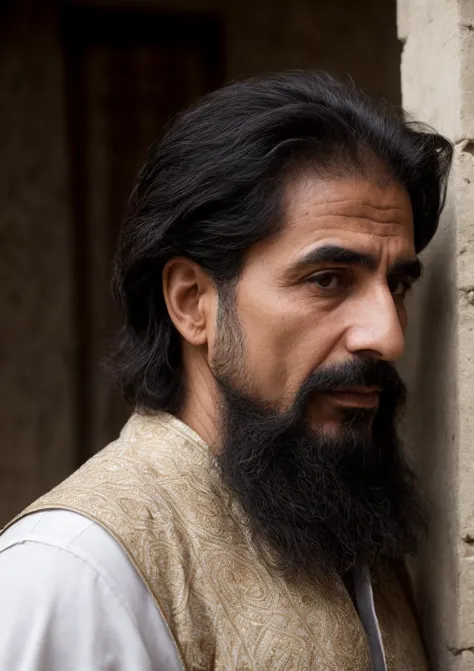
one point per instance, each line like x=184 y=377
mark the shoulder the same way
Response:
x=60 y=570
x=64 y=539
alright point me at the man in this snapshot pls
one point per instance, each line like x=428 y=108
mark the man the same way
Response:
x=256 y=510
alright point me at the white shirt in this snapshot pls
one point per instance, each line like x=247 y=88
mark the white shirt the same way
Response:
x=70 y=600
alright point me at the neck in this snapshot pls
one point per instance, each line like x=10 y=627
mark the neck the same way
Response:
x=200 y=411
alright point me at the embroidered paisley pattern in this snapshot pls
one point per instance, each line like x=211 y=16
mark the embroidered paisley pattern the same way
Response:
x=154 y=490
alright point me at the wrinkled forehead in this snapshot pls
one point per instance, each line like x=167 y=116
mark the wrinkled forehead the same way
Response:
x=359 y=211
x=352 y=204
x=367 y=216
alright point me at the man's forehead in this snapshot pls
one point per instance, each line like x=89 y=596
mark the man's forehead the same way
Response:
x=315 y=202
x=351 y=211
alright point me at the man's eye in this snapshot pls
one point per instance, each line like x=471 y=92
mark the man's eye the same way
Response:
x=327 y=281
x=399 y=287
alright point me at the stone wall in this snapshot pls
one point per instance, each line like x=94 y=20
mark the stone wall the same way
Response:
x=438 y=87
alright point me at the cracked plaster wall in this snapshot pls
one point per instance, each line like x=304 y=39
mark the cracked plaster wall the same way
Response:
x=438 y=87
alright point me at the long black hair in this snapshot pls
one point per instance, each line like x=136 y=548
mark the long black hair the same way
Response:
x=212 y=187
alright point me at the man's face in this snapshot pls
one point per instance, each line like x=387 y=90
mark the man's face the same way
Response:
x=303 y=359
x=328 y=288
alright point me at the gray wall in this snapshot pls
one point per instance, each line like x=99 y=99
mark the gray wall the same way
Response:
x=438 y=86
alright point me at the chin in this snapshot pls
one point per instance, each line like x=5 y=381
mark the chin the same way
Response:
x=329 y=427
x=337 y=423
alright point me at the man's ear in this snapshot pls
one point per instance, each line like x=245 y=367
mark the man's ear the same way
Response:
x=190 y=297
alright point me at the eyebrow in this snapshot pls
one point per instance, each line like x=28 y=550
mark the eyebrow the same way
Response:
x=412 y=267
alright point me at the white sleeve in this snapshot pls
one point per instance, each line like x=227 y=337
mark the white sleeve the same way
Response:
x=58 y=613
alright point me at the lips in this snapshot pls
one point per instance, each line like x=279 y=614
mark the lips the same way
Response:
x=357 y=397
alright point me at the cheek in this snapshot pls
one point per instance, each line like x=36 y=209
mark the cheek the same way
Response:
x=285 y=340
x=272 y=335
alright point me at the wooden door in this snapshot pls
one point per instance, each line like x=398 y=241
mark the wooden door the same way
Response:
x=128 y=73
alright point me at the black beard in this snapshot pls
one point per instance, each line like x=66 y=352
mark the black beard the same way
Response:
x=323 y=501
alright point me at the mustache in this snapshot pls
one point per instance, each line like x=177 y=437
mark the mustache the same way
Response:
x=360 y=372
x=269 y=423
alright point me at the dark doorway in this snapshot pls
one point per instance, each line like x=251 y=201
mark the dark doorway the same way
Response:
x=127 y=74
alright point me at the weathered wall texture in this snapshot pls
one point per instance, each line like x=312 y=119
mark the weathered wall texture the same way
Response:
x=438 y=87
x=345 y=37
x=36 y=340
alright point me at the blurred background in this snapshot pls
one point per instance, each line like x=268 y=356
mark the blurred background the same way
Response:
x=85 y=87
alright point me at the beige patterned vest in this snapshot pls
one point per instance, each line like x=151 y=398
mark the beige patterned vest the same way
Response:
x=154 y=491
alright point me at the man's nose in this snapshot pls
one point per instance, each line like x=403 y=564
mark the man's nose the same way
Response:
x=377 y=330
